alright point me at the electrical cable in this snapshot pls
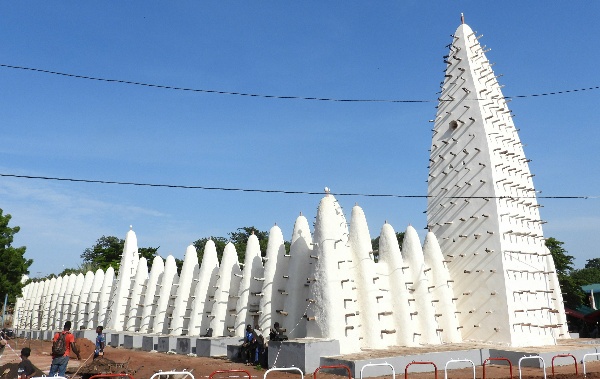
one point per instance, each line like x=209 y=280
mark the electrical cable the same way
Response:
x=275 y=96
x=215 y=91
x=285 y=192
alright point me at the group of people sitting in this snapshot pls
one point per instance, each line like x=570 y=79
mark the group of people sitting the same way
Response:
x=253 y=350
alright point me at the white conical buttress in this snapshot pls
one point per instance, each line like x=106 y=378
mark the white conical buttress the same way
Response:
x=60 y=303
x=296 y=292
x=79 y=319
x=419 y=287
x=151 y=294
x=247 y=307
x=223 y=313
x=395 y=292
x=120 y=294
x=167 y=288
x=441 y=292
x=554 y=295
x=332 y=313
x=275 y=267
x=93 y=302
x=482 y=204
x=67 y=314
x=364 y=268
x=187 y=283
x=134 y=313
x=53 y=302
x=204 y=293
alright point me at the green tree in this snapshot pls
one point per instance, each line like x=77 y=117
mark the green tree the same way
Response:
x=220 y=243
x=107 y=251
x=375 y=244
x=239 y=239
x=586 y=275
x=593 y=263
x=14 y=264
x=573 y=295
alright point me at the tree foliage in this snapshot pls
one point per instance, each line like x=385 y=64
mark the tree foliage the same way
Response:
x=14 y=264
x=593 y=263
x=573 y=295
x=562 y=261
x=107 y=251
x=586 y=275
x=239 y=239
x=200 y=244
x=375 y=244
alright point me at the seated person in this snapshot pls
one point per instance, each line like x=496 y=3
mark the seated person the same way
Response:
x=248 y=350
x=276 y=333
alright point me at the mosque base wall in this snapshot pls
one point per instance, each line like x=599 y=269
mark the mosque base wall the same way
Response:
x=133 y=341
x=310 y=354
x=215 y=346
x=304 y=354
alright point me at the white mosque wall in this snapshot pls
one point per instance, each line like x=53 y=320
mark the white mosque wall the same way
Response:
x=247 y=307
x=273 y=286
x=363 y=266
x=204 y=292
x=166 y=294
x=482 y=205
x=329 y=288
x=395 y=295
x=483 y=273
x=79 y=320
x=150 y=295
x=333 y=308
x=134 y=307
x=105 y=295
x=120 y=292
x=53 y=300
x=441 y=291
x=42 y=304
x=223 y=314
x=555 y=300
x=64 y=315
x=182 y=302
x=419 y=287
x=76 y=299
x=93 y=302
x=294 y=282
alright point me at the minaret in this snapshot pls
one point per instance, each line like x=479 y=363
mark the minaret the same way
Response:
x=483 y=209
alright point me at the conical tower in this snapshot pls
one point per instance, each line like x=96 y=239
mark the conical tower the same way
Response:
x=483 y=209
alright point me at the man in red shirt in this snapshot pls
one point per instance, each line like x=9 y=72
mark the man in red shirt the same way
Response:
x=59 y=362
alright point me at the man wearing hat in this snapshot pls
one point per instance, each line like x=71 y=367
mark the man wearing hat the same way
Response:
x=26 y=368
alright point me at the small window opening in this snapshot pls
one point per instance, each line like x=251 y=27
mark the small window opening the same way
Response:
x=453 y=125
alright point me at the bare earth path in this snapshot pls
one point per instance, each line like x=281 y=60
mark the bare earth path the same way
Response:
x=142 y=365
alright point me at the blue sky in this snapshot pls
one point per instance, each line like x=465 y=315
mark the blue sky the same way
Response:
x=58 y=126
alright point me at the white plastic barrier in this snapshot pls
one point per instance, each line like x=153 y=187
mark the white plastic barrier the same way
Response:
x=583 y=361
x=181 y=374
x=284 y=369
x=458 y=360
x=378 y=364
x=533 y=357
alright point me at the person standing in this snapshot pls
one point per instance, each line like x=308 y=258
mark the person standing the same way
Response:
x=100 y=342
x=26 y=368
x=62 y=341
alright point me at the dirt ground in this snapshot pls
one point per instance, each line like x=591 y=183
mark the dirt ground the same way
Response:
x=142 y=365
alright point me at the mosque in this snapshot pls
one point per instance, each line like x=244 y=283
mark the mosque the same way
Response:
x=482 y=273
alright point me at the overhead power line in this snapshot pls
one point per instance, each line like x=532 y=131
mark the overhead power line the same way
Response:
x=273 y=96
x=286 y=192
x=215 y=91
